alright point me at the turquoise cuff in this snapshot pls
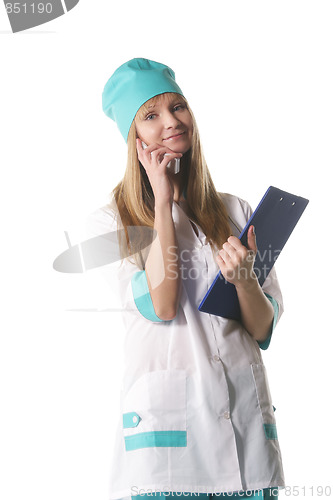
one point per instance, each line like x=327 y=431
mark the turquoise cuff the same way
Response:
x=270 y=431
x=264 y=345
x=142 y=296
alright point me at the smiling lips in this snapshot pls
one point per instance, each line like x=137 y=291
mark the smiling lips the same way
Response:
x=173 y=137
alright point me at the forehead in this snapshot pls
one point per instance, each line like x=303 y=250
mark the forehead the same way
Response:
x=166 y=98
x=169 y=98
x=159 y=100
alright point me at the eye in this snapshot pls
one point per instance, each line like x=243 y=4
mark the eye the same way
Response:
x=150 y=117
x=178 y=107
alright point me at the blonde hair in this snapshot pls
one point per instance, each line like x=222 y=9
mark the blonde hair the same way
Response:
x=135 y=198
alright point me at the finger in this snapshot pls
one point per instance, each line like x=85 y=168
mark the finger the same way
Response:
x=220 y=262
x=169 y=157
x=140 y=150
x=157 y=157
x=163 y=149
x=155 y=147
x=235 y=242
x=239 y=250
x=139 y=146
x=229 y=249
x=251 y=239
x=148 y=154
x=145 y=151
x=157 y=153
x=225 y=268
x=226 y=258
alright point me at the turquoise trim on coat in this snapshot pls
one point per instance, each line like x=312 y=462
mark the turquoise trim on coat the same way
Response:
x=270 y=431
x=142 y=296
x=264 y=345
x=155 y=438
x=131 y=419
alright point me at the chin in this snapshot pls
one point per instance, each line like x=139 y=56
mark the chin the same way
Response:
x=181 y=148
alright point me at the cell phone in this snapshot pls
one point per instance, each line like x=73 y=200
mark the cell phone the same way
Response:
x=173 y=165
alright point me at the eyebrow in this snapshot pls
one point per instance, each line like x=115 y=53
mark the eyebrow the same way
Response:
x=171 y=103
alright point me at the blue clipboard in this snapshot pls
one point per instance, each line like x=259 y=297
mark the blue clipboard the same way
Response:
x=274 y=220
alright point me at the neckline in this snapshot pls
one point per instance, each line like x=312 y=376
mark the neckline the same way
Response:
x=194 y=226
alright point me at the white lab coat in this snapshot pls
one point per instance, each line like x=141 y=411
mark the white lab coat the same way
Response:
x=197 y=381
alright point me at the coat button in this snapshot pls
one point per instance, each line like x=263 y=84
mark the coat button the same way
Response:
x=216 y=358
x=226 y=414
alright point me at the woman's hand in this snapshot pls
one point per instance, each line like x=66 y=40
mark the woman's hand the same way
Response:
x=236 y=264
x=236 y=261
x=155 y=163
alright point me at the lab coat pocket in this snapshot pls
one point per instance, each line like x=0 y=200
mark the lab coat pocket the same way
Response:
x=264 y=400
x=154 y=411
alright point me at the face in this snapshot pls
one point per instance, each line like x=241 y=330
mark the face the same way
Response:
x=166 y=121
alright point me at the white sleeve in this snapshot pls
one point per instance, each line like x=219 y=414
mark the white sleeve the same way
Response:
x=123 y=275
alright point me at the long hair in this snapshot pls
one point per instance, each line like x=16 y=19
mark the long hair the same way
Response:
x=135 y=198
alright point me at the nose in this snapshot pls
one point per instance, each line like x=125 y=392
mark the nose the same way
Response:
x=170 y=120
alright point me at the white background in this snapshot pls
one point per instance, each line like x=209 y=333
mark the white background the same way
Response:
x=258 y=76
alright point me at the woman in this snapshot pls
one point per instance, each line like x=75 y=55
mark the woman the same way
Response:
x=197 y=416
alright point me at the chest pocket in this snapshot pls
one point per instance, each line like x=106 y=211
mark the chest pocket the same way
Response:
x=154 y=411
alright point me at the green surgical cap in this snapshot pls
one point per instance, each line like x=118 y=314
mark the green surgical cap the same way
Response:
x=133 y=84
